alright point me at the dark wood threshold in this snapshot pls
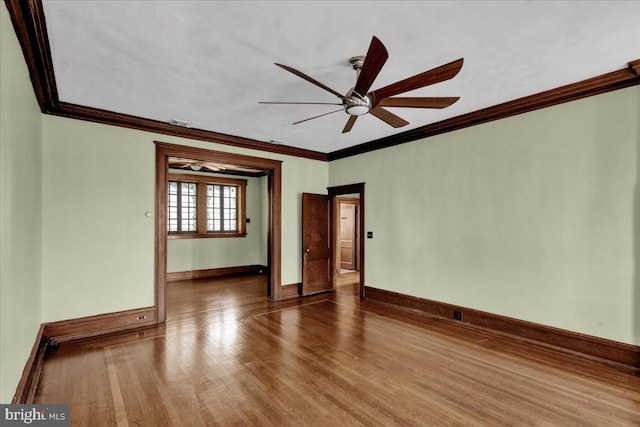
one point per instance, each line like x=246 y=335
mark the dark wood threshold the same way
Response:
x=91 y=326
x=216 y=272
x=290 y=291
x=31 y=372
x=294 y=290
x=617 y=354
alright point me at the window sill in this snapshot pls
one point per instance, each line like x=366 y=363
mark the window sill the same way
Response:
x=204 y=235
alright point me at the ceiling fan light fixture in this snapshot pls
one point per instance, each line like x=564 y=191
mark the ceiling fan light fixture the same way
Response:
x=195 y=166
x=355 y=104
x=357 y=110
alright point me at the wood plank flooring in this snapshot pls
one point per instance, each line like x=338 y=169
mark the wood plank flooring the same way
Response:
x=226 y=356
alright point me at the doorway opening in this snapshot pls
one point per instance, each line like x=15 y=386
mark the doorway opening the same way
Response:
x=348 y=221
x=346 y=204
x=234 y=163
x=348 y=249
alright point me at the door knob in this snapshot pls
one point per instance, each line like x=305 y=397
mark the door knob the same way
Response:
x=307 y=250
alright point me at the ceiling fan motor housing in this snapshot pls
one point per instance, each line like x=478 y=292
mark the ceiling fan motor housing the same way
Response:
x=355 y=104
x=357 y=62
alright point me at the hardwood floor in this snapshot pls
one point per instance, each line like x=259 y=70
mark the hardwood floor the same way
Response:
x=348 y=278
x=227 y=356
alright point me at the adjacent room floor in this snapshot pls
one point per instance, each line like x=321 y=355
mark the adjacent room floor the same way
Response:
x=227 y=356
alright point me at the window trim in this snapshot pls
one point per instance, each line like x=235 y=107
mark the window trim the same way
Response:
x=179 y=206
x=201 y=205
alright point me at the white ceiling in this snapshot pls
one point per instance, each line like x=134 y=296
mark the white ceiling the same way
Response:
x=210 y=62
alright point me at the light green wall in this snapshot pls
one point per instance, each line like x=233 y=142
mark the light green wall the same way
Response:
x=98 y=247
x=531 y=217
x=97 y=244
x=20 y=211
x=201 y=254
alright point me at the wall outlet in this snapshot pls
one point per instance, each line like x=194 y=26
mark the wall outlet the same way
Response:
x=457 y=315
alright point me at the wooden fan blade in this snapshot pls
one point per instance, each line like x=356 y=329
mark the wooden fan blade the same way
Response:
x=388 y=117
x=425 y=102
x=310 y=79
x=213 y=166
x=436 y=75
x=298 y=103
x=374 y=60
x=315 y=117
x=350 y=123
x=175 y=160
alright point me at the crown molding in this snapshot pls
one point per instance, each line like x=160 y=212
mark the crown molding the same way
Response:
x=29 y=23
x=80 y=112
x=30 y=26
x=608 y=82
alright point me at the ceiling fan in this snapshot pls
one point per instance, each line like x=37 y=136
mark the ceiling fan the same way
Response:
x=358 y=101
x=195 y=165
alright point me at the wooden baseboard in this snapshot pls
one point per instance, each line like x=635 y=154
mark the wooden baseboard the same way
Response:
x=31 y=372
x=85 y=327
x=607 y=351
x=215 y=272
x=50 y=334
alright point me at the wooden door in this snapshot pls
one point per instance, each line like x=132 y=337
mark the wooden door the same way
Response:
x=347 y=236
x=316 y=244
